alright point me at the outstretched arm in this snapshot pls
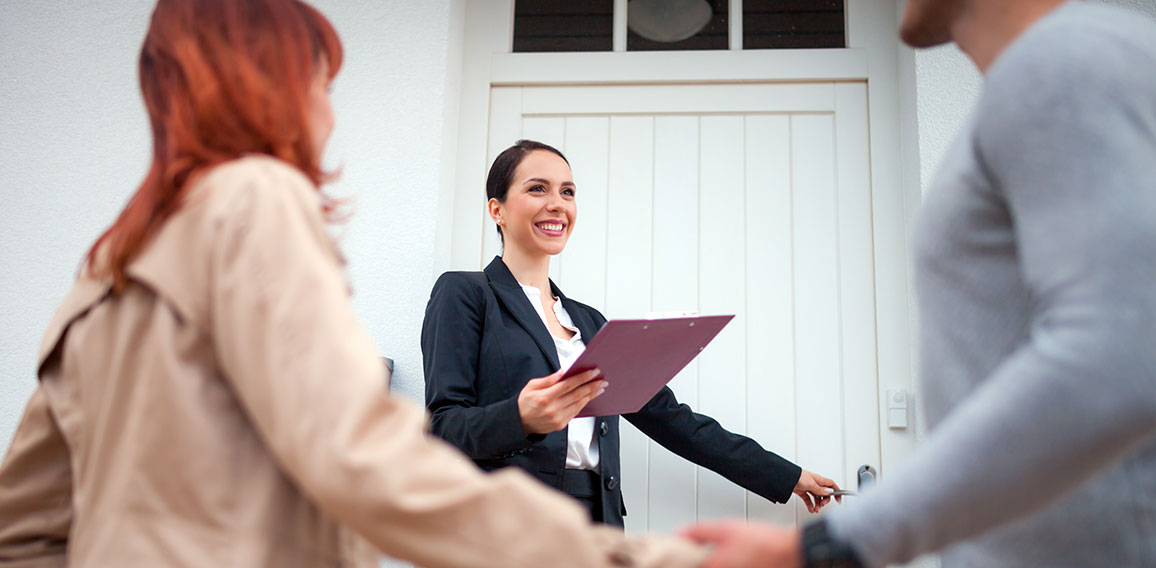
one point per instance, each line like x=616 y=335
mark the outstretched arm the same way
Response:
x=702 y=440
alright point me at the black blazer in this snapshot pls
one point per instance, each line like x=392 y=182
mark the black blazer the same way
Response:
x=482 y=341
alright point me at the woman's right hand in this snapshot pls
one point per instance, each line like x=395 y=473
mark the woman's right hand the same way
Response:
x=547 y=404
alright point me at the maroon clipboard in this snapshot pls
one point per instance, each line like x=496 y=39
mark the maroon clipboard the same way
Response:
x=638 y=357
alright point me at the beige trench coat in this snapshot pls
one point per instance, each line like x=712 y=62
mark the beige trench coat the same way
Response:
x=228 y=409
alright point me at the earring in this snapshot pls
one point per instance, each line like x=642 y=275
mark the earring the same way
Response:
x=498 y=221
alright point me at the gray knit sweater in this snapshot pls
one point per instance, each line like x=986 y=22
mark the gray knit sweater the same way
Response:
x=1036 y=280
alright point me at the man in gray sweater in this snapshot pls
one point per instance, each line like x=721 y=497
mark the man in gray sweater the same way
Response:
x=1036 y=280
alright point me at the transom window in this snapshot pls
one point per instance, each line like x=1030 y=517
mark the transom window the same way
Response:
x=661 y=25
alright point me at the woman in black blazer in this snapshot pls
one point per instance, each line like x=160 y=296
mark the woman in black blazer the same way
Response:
x=493 y=363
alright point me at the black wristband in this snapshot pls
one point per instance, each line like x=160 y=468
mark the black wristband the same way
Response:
x=822 y=550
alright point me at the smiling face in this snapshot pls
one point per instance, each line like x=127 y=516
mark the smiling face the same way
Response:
x=539 y=211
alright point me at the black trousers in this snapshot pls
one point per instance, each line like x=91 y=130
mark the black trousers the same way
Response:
x=585 y=486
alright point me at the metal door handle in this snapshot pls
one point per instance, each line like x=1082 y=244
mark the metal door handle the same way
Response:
x=867 y=476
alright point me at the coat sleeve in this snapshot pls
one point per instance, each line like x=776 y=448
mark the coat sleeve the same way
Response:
x=451 y=340
x=311 y=381
x=35 y=492
x=702 y=440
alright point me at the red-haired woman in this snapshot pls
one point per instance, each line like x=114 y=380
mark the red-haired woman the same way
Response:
x=207 y=396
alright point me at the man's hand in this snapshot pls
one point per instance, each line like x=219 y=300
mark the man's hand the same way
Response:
x=547 y=404
x=815 y=490
x=737 y=544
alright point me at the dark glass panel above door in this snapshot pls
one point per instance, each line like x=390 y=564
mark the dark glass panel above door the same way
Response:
x=793 y=24
x=563 y=25
x=667 y=25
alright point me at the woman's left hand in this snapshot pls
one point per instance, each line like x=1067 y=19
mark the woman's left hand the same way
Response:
x=815 y=490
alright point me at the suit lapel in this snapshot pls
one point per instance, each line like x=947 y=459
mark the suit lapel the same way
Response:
x=580 y=316
x=510 y=293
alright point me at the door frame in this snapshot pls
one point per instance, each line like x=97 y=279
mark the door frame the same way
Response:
x=874 y=56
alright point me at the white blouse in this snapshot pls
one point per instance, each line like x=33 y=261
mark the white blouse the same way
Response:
x=581 y=448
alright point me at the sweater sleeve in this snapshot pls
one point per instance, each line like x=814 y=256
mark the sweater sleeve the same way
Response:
x=1067 y=134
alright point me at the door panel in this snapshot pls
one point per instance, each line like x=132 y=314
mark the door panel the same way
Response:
x=722 y=254
x=627 y=247
x=672 y=481
x=770 y=298
x=816 y=262
x=752 y=200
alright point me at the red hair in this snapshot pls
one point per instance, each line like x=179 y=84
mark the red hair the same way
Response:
x=220 y=79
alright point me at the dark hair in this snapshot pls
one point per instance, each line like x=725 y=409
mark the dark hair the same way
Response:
x=502 y=171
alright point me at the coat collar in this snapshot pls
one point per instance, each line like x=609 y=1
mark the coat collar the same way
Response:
x=85 y=293
x=510 y=293
x=580 y=315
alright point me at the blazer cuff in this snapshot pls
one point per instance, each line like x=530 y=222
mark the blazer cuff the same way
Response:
x=507 y=427
x=791 y=475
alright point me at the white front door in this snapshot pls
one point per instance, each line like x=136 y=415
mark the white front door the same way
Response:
x=746 y=199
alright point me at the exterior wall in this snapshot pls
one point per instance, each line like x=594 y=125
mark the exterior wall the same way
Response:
x=947 y=85
x=74 y=140
x=1143 y=6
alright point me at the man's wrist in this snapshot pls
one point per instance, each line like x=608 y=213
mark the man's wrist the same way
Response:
x=821 y=549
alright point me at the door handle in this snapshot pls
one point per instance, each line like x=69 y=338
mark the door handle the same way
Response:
x=867 y=477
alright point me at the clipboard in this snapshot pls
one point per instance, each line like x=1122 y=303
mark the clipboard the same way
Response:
x=638 y=357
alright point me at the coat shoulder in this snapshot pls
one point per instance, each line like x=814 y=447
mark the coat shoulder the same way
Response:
x=461 y=280
x=460 y=287
x=254 y=185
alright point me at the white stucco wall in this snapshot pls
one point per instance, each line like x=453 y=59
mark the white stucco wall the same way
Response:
x=1143 y=6
x=947 y=85
x=74 y=143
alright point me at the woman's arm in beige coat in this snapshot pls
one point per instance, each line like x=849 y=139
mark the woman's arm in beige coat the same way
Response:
x=35 y=492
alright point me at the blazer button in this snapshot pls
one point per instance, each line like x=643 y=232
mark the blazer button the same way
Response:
x=611 y=483
x=603 y=429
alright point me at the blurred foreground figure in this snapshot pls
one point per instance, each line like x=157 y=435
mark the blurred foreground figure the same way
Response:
x=207 y=397
x=1036 y=276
